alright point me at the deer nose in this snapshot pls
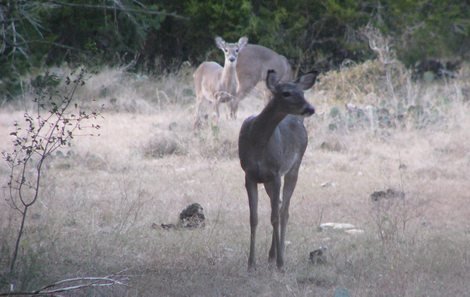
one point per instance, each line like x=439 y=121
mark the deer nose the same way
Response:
x=308 y=110
x=231 y=59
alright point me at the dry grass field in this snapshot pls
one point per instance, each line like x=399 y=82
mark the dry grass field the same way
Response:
x=103 y=199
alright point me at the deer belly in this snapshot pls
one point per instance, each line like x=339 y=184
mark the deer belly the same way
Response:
x=288 y=162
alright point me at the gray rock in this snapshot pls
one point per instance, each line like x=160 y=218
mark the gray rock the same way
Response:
x=387 y=194
x=318 y=256
x=192 y=216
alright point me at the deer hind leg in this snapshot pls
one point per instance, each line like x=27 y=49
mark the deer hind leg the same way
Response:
x=216 y=116
x=198 y=120
x=252 y=190
x=246 y=83
x=273 y=190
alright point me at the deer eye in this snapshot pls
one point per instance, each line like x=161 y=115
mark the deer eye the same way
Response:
x=285 y=94
x=236 y=50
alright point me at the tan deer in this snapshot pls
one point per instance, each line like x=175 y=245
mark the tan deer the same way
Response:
x=215 y=83
x=252 y=66
x=271 y=145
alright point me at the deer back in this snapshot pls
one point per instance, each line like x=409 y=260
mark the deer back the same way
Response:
x=207 y=78
x=254 y=61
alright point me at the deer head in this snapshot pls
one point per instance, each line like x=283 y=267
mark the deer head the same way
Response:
x=290 y=95
x=231 y=50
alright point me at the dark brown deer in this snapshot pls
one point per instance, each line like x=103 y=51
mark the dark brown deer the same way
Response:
x=271 y=145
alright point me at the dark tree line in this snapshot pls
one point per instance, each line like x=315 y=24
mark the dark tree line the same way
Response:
x=158 y=35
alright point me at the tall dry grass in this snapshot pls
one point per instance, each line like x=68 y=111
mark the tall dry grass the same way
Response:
x=103 y=198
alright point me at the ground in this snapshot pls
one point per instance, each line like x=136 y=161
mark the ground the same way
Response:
x=104 y=198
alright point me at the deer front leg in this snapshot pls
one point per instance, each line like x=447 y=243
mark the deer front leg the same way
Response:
x=215 y=121
x=217 y=100
x=252 y=190
x=273 y=189
x=273 y=250
x=290 y=181
x=234 y=107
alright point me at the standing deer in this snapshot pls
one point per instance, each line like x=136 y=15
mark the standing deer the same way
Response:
x=271 y=145
x=252 y=66
x=216 y=83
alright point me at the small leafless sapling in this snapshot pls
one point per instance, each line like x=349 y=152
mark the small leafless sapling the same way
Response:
x=54 y=121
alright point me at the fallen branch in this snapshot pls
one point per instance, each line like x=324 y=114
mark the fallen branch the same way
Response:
x=67 y=286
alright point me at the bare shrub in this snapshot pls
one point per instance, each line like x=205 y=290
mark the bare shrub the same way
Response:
x=212 y=143
x=121 y=91
x=163 y=145
x=129 y=206
x=55 y=122
x=393 y=211
x=176 y=87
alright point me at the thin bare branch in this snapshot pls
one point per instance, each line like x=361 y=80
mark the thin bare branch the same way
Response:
x=36 y=41
x=121 y=8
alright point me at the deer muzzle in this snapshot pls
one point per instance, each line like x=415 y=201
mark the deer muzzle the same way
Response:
x=308 y=110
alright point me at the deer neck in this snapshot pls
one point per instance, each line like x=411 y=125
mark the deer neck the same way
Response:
x=265 y=123
x=228 y=79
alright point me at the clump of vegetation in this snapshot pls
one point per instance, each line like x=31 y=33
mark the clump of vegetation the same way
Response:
x=360 y=83
x=163 y=145
x=381 y=93
x=175 y=87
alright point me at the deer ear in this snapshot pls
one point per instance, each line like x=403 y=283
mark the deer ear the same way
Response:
x=271 y=80
x=220 y=42
x=242 y=42
x=306 y=81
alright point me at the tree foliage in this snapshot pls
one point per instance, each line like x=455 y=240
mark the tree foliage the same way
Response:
x=158 y=35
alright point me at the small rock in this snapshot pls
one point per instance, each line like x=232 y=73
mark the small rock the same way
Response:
x=192 y=216
x=172 y=126
x=328 y=184
x=336 y=226
x=167 y=226
x=318 y=256
x=331 y=146
x=355 y=231
x=341 y=292
x=387 y=194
